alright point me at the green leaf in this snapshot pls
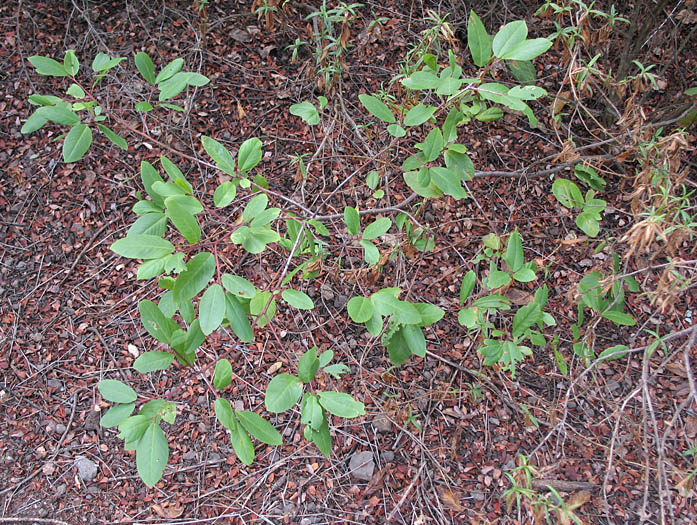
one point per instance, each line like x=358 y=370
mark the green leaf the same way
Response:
x=113 y=137
x=377 y=108
x=169 y=70
x=225 y=194
x=197 y=275
x=176 y=174
x=155 y=322
x=418 y=115
x=153 y=361
x=360 y=309
x=567 y=193
x=44 y=100
x=75 y=91
x=396 y=130
x=527 y=92
x=322 y=438
x=239 y=322
x=489 y=115
x=152 y=454
x=35 y=122
x=587 y=222
x=224 y=413
x=238 y=286
x=48 y=67
x=325 y=357
x=467 y=317
x=283 y=393
x=514 y=252
x=242 y=444
x=429 y=313
x=377 y=228
x=341 y=404
x=223 y=374
x=143 y=107
x=249 y=154
x=525 y=317
x=468 y=282
x=297 y=299
x=149 y=224
x=492 y=301
x=257 y=306
x=255 y=206
x=433 y=144
x=258 y=427
x=211 y=310
x=523 y=72
x=183 y=220
x=116 y=391
x=606 y=355
x=619 y=318
x=306 y=111
x=150 y=176
x=421 y=80
x=524 y=275
x=352 y=220
x=448 y=181
x=478 y=41
x=102 y=62
x=142 y=246
x=311 y=412
x=157 y=409
x=527 y=50
x=131 y=429
x=336 y=370
x=77 y=142
x=370 y=252
x=308 y=364
x=508 y=37
x=497 y=279
x=414 y=338
x=116 y=415
x=145 y=66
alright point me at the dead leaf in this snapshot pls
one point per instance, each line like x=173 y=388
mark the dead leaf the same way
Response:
x=579 y=498
x=452 y=500
x=519 y=297
x=169 y=511
x=377 y=482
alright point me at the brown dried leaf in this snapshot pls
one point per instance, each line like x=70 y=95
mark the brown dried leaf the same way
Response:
x=452 y=499
x=169 y=511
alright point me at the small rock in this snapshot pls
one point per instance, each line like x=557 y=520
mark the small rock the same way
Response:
x=60 y=428
x=60 y=490
x=92 y=420
x=86 y=468
x=54 y=383
x=362 y=466
x=478 y=495
x=326 y=292
x=387 y=456
x=382 y=424
x=189 y=455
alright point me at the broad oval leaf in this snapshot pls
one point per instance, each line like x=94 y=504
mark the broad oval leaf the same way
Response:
x=142 y=246
x=478 y=41
x=418 y=115
x=370 y=252
x=525 y=317
x=396 y=130
x=514 y=252
x=528 y=49
x=298 y=299
x=468 y=282
x=433 y=144
x=116 y=415
x=567 y=193
x=306 y=111
x=255 y=206
x=308 y=364
x=169 y=70
x=613 y=352
x=377 y=228
x=249 y=154
x=258 y=427
x=152 y=454
x=360 y=309
x=116 y=391
x=153 y=361
x=242 y=444
x=183 y=220
x=619 y=318
x=352 y=220
x=47 y=66
x=113 y=137
x=155 y=322
x=222 y=376
x=508 y=37
x=239 y=322
x=377 y=108
x=145 y=66
x=341 y=404
x=77 y=142
x=283 y=393
x=224 y=413
x=197 y=275
x=238 y=286
x=222 y=157
x=211 y=310
x=225 y=194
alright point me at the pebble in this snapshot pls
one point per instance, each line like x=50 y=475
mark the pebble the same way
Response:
x=387 y=456
x=382 y=424
x=362 y=466
x=60 y=428
x=86 y=468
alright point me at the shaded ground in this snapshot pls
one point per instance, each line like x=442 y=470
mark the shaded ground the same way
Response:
x=441 y=437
